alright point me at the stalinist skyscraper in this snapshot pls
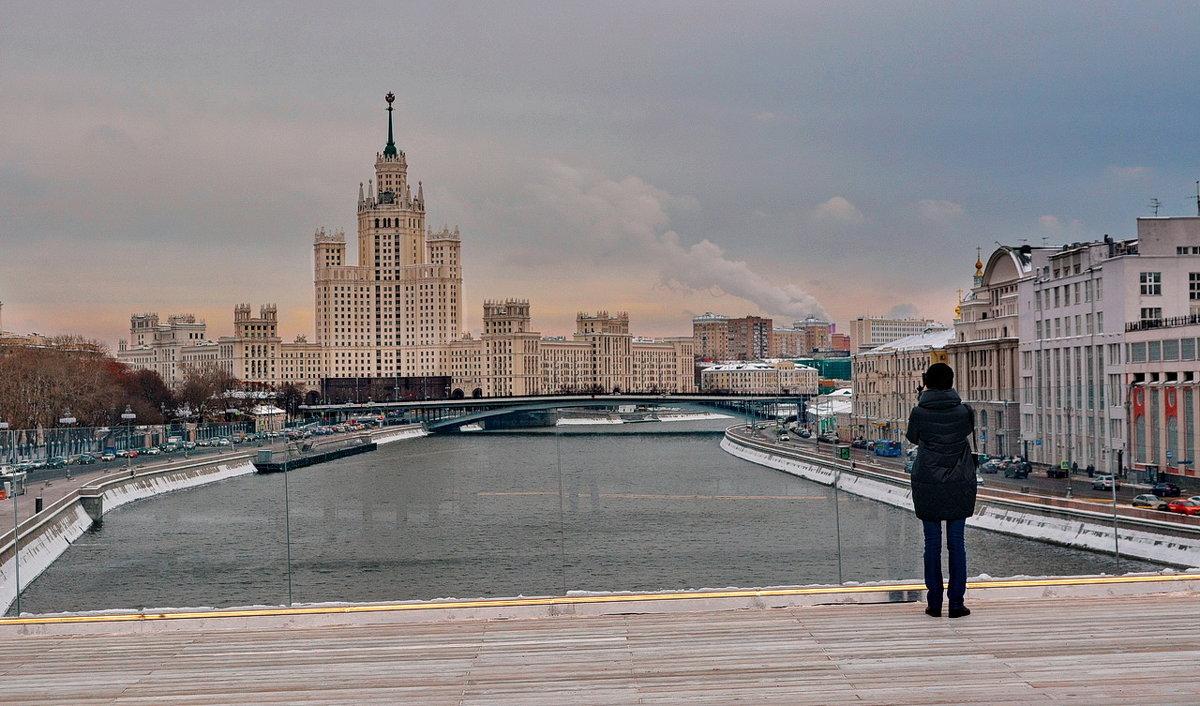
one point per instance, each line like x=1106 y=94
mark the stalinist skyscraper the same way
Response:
x=394 y=312
x=391 y=325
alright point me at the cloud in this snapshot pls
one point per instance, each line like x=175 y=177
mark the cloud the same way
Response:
x=903 y=311
x=1057 y=226
x=838 y=211
x=939 y=211
x=764 y=117
x=1128 y=173
x=623 y=223
x=705 y=266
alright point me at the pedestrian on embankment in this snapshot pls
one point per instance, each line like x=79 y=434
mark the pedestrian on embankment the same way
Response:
x=943 y=483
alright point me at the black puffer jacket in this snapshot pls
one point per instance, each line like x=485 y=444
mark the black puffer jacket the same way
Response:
x=943 y=474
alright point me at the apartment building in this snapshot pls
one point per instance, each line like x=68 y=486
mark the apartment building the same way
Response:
x=721 y=337
x=780 y=377
x=885 y=381
x=803 y=338
x=867 y=332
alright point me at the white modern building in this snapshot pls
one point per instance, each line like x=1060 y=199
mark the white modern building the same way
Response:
x=1088 y=316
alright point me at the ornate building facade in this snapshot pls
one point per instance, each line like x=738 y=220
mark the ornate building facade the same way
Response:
x=983 y=353
x=396 y=312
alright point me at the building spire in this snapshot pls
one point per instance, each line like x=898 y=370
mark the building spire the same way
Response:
x=390 y=150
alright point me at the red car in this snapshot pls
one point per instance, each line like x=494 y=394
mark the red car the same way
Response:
x=1184 y=507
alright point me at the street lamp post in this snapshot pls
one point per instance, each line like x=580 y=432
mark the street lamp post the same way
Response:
x=67 y=420
x=230 y=414
x=127 y=417
x=1070 y=451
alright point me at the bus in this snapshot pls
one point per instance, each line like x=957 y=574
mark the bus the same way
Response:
x=12 y=482
x=887 y=447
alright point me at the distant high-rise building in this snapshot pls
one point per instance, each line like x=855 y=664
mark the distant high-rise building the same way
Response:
x=867 y=332
x=804 y=338
x=710 y=332
x=724 y=338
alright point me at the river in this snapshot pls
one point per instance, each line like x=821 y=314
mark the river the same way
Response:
x=638 y=507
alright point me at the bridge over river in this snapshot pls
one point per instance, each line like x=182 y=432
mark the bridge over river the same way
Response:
x=452 y=415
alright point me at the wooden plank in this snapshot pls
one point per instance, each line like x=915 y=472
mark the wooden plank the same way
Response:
x=1083 y=650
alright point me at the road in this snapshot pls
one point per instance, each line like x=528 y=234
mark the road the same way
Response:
x=1080 y=485
x=52 y=484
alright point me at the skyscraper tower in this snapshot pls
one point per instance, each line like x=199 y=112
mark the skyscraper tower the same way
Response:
x=392 y=314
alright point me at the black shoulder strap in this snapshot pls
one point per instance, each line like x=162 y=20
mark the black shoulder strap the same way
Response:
x=971 y=416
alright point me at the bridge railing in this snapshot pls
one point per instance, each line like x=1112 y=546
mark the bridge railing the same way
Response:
x=614 y=505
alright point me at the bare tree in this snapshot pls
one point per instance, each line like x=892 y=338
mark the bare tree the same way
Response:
x=203 y=389
x=290 y=397
x=146 y=394
x=39 y=384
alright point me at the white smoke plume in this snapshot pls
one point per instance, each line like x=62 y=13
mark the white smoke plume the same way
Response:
x=704 y=266
x=624 y=222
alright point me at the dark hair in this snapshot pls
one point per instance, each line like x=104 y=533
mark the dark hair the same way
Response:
x=939 y=376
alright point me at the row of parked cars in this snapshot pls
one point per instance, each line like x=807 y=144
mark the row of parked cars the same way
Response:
x=1157 y=501
x=27 y=465
x=1011 y=467
x=85 y=459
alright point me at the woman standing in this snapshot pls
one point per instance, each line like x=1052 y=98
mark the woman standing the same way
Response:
x=943 y=483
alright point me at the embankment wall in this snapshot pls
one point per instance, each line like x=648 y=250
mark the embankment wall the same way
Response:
x=1158 y=541
x=48 y=534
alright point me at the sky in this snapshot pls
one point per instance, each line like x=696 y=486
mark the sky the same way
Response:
x=836 y=159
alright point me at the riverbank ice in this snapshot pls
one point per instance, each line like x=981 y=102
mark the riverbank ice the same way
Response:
x=389 y=435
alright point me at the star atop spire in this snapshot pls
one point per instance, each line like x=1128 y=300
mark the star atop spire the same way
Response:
x=390 y=150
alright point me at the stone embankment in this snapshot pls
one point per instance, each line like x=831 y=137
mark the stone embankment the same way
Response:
x=1144 y=534
x=79 y=502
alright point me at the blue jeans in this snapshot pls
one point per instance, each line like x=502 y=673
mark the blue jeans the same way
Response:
x=957 y=546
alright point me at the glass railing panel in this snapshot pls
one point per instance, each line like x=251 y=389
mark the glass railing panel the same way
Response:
x=463 y=515
x=637 y=506
x=658 y=508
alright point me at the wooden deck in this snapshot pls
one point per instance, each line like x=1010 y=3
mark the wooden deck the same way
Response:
x=1129 y=649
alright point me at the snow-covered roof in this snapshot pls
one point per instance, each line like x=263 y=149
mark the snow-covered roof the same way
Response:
x=930 y=338
x=263 y=410
x=824 y=406
x=741 y=365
